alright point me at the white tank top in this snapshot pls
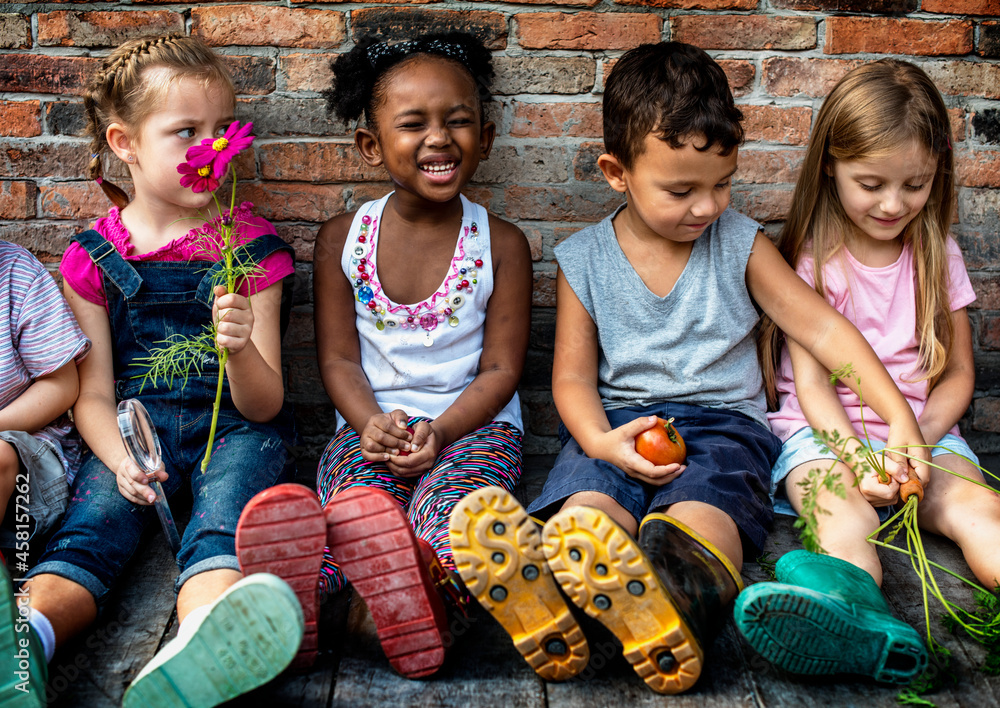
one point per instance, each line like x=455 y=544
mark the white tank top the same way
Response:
x=419 y=357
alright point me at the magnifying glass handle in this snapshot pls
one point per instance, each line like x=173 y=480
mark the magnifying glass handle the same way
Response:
x=166 y=517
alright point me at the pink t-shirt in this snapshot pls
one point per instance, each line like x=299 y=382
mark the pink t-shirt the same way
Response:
x=85 y=277
x=881 y=302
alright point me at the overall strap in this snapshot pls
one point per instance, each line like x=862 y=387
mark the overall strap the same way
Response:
x=256 y=251
x=106 y=257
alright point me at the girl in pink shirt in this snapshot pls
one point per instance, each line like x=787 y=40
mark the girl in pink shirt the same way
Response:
x=868 y=229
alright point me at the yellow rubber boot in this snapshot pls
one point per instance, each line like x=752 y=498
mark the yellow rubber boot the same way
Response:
x=497 y=553
x=663 y=596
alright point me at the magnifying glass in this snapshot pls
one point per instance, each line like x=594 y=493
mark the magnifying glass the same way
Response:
x=143 y=447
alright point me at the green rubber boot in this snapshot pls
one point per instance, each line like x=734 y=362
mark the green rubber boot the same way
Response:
x=22 y=660
x=827 y=616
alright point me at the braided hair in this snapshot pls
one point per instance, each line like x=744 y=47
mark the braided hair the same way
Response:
x=121 y=92
x=359 y=76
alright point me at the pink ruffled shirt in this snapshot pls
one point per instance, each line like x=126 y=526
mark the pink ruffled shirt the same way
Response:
x=881 y=302
x=85 y=277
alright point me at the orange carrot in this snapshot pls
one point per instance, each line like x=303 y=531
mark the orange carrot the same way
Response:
x=910 y=487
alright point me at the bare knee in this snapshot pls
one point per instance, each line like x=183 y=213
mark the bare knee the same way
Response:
x=606 y=504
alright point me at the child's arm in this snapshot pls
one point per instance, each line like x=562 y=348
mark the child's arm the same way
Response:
x=574 y=388
x=824 y=411
x=339 y=350
x=804 y=316
x=96 y=411
x=951 y=395
x=249 y=328
x=505 y=346
x=43 y=401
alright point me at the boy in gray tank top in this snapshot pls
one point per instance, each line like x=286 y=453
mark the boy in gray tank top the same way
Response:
x=656 y=307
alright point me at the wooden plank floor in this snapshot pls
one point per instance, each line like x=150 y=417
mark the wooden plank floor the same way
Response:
x=484 y=669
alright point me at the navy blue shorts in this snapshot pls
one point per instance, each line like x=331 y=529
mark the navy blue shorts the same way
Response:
x=729 y=460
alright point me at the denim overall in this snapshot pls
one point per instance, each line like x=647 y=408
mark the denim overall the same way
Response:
x=148 y=302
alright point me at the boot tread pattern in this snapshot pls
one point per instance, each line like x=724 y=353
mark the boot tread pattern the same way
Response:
x=497 y=552
x=597 y=563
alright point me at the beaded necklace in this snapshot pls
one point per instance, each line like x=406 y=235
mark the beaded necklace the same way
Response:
x=439 y=308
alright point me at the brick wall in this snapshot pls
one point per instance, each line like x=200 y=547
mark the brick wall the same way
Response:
x=782 y=57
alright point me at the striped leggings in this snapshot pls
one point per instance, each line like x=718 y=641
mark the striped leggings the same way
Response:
x=488 y=456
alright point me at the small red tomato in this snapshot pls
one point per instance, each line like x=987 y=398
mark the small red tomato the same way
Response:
x=661 y=444
x=404 y=453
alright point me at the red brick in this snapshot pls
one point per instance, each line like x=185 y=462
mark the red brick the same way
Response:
x=552 y=120
x=396 y=23
x=31 y=73
x=73 y=200
x=978 y=169
x=962 y=7
x=744 y=31
x=251 y=75
x=20 y=119
x=591 y=203
x=987 y=287
x=740 y=74
x=543 y=291
x=777 y=124
x=965 y=78
x=17 y=200
x=956 y=116
x=46 y=241
x=15 y=31
x=301 y=237
x=989 y=40
x=989 y=333
x=787 y=76
x=891 y=35
x=316 y=162
x=585 y=167
x=695 y=4
x=586 y=30
x=535 y=239
x=562 y=75
x=866 y=6
x=306 y=72
x=763 y=205
x=49 y=159
x=584 y=3
x=104 y=29
x=268 y=26
x=280 y=201
x=769 y=166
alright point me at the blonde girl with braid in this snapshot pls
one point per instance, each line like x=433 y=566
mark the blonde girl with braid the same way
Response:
x=134 y=279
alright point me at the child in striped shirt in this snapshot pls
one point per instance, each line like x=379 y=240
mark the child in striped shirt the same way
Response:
x=40 y=345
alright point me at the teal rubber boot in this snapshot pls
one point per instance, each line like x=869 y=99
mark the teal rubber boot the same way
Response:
x=22 y=660
x=247 y=637
x=827 y=616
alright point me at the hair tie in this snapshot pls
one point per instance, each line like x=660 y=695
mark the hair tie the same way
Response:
x=99 y=180
x=382 y=51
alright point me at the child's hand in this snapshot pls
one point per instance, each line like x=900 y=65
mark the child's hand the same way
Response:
x=232 y=312
x=879 y=493
x=385 y=435
x=908 y=440
x=619 y=446
x=423 y=451
x=133 y=483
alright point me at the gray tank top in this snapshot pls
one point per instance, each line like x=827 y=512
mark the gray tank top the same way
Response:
x=695 y=345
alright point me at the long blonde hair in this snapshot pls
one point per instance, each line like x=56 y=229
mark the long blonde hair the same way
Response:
x=875 y=110
x=121 y=92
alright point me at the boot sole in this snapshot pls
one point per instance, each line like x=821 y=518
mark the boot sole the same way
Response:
x=497 y=551
x=282 y=531
x=251 y=633
x=806 y=632
x=371 y=540
x=18 y=691
x=601 y=568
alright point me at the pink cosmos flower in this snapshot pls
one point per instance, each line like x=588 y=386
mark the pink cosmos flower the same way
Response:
x=218 y=153
x=199 y=179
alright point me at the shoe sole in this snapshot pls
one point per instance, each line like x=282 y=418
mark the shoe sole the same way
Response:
x=282 y=531
x=371 y=540
x=601 y=568
x=497 y=551
x=806 y=632
x=19 y=689
x=249 y=636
